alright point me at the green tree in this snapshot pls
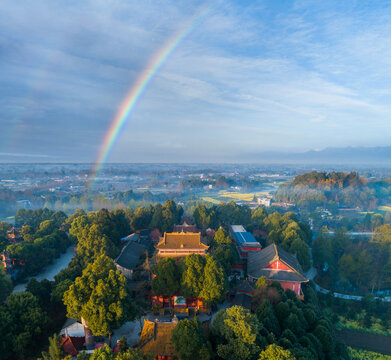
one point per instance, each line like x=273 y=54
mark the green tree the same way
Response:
x=100 y=297
x=189 y=340
x=214 y=284
x=5 y=284
x=221 y=236
x=27 y=322
x=55 y=351
x=168 y=277
x=275 y=352
x=383 y=234
x=103 y=353
x=193 y=275
x=238 y=329
x=131 y=354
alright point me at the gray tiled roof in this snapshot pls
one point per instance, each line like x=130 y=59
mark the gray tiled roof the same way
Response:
x=257 y=261
x=130 y=255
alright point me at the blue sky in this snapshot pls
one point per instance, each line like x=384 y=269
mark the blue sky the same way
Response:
x=255 y=76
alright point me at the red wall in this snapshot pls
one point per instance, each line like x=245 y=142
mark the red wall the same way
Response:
x=278 y=265
x=295 y=287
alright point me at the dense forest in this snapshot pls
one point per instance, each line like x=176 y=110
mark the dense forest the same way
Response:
x=278 y=326
x=332 y=189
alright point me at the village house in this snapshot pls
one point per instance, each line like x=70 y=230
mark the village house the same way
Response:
x=14 y=236
x=277 y=265
x=181 y=244
x=155 y=339
x=72 y=337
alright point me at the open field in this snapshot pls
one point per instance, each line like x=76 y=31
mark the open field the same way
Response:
x=359 y=354
x=371 y=342
x=211 y=200
x=384 y=208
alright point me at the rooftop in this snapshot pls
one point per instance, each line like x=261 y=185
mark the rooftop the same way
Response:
x=130 y=255
x=259 y=260
x=156 y=338
x=180 y=240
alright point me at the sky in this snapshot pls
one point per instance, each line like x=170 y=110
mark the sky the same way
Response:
x=251 y=77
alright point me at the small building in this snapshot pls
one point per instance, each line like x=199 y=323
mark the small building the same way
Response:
x=277 y=265
x=72 y=337
x=14 y=236
x=6 y=261
x=181 y=244
x=128 y=259
x=179 y=303
x=244 y=241
x=155 y=339
x=186 y=228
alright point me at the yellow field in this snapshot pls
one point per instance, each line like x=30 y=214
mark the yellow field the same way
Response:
x=241 y=196
x=211 y=200
x=384 y=208
x=143 y=188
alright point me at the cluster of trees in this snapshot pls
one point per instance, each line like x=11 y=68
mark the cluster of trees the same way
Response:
x=286 y=231
x=354 y=265
x=100 y=297
x=282 y=328
x=315 y=189
x=43 y=240
x=224 y=214
x=369 y=315
x=193 y=276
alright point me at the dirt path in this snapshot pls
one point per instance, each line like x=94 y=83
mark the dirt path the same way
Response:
x=372 y=342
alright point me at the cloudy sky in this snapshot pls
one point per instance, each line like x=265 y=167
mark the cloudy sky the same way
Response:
x=252 y=76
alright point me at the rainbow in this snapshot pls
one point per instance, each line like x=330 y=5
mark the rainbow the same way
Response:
x=138 y=89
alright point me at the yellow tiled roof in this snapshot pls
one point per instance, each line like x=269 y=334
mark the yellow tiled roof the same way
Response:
x=180 y=240
x=156 y=338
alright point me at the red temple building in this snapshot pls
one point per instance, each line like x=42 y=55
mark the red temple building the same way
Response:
x=186 y=228
x=13 y=236
x=181 y=244
x=277 y=265
x=179 y=303
x=6 y=261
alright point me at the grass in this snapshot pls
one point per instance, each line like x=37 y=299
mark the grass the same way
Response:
x=241 y=196
x=211 y=200
x=359 y=354
x=375 y=328
x=384 y=208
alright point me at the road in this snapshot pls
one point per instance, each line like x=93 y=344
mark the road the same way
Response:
x=53 y=269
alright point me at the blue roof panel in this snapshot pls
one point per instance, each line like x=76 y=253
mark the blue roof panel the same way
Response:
x=244 y=237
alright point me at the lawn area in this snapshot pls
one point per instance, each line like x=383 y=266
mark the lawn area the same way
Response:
x=375 y=327
x=211 y=200
x=241 y=196
x=359 y=354
x=384 y=208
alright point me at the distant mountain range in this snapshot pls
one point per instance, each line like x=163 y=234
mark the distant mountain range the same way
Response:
x=346 y=155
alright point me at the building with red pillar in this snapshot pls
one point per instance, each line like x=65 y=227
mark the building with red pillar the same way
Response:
x=277 y=265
